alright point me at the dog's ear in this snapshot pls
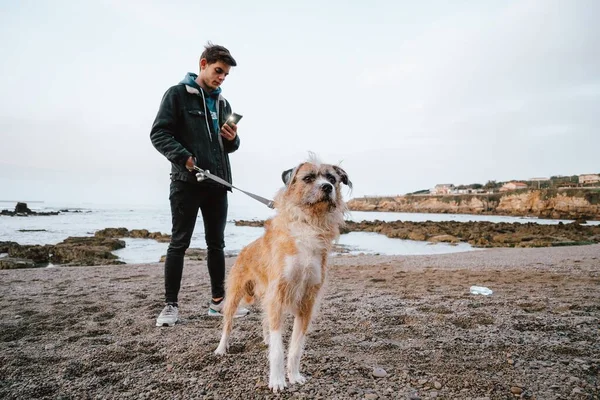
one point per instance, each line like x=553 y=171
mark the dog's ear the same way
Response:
x=343 y=176
x=286 y=176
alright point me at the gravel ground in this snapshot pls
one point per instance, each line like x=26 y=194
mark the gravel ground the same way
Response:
x=88 y=332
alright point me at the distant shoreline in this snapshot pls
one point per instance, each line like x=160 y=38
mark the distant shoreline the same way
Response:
x=569 y=204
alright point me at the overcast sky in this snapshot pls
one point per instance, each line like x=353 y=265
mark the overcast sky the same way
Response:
x=404 y=94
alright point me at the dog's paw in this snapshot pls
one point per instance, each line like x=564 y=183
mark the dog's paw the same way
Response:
x=277 y=383
x=297 y=378
x=221 y=350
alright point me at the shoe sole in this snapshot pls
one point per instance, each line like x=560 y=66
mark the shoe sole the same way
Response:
x=218 y=314
x=166 y=324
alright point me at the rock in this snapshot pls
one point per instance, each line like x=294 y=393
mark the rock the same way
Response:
x=134 y=233
x=255 y=224
x=527 y=395
x=15 y=263
x=193 y=254
x=516 y=390
x=577 y=391
x=4 y=246
x=21 y=210
x=112 y=233
x=139 y=233
x=379 y=372
x=160 y=237
x=371 y=396
x=196 y=254
x=414 y=396
x=420 y=236
x=36 y=253
x=444 y=239
x=72 y=251
x=437 y=385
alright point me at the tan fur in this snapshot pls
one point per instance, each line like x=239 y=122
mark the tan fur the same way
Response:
x=285 y=269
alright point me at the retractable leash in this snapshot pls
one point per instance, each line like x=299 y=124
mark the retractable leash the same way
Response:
x=202 y=175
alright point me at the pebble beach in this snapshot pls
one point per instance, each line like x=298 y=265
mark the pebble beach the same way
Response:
x=389 y=327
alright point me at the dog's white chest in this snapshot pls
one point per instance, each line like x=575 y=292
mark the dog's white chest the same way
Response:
x=304 y=268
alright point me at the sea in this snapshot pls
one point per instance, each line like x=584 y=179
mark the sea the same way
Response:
x=85 y=219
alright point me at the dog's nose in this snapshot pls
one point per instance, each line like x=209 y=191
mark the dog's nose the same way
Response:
x=327 y=187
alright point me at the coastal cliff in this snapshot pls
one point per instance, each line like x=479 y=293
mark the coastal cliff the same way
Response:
x=546 y=203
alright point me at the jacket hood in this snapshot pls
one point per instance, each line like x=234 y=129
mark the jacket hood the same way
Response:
x=190 y=81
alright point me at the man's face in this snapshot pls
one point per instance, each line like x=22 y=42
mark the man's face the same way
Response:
x=213 y=75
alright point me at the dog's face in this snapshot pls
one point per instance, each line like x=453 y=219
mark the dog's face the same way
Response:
x=315 y=183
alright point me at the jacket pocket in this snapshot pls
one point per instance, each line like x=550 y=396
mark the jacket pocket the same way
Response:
x=196 y=113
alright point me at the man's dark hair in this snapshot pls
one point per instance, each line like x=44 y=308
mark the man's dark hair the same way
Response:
x=214 y=53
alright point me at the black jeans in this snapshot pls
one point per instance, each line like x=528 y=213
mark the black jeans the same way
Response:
x=186 y=199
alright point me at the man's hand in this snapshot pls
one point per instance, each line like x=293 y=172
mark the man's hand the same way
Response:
x=228 y=131
x=190 y=163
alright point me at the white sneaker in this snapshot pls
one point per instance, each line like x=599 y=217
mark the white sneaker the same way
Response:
x=169 y=316
x=215 y=310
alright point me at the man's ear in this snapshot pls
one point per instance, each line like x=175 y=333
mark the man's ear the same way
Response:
x=203 y=63
x=343 y=176
x=286 y=176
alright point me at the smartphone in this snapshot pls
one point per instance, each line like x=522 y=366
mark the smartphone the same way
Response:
x=234 y=118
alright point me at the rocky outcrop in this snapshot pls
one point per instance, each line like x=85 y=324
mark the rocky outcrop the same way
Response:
x=478 y=234
x=578 y=204
x=551 y=205
x=15 y=263
x=73 y=251
x=76 y=251
x=484 y=234
x=192 y=254
x=21 y=210
x=134 y=233
x=4 y=246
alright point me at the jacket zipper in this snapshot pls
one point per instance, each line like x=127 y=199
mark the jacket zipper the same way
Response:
x=206 y=115
x=221 y=147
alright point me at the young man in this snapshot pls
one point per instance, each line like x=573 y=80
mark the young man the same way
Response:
x=190 y=130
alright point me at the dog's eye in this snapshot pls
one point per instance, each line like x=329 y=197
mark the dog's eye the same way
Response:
x=308 y=178
x=330 y=178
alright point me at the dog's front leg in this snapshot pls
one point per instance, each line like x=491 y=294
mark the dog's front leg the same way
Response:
x=295 y=351
x=276 y=355
x=301 y=323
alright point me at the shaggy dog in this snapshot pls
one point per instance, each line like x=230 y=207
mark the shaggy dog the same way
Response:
x=285 y=268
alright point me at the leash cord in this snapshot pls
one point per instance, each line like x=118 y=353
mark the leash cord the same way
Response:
x=206 y=174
